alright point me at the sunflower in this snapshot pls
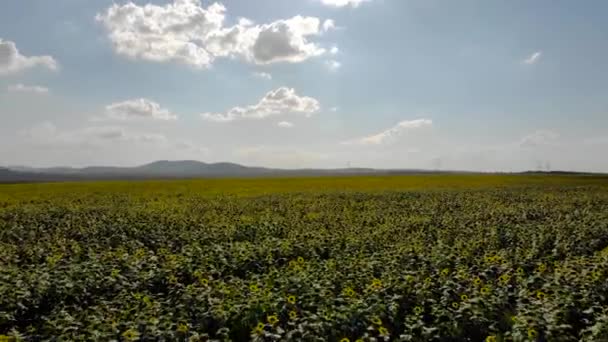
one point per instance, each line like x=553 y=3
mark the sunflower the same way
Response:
x=491 y=338
x=259 y=329
x=485 y=290
x=291 y=299
x=532 y=333
x=293 y=314
x=272 y=319
x=418 y=310
x=254 y=287
x=477 y=281
x=505 y=278
x=540 y=295
x=542 y=268
x=445 y=272
x=520 y=271
x=376 y=320
x=464 y=297
x=383 y=331
x=204 y=281
x=376 y=283
x=300 y=260
x=349 y=292
x=345 y=339
x=131 y=335
x=182 y=328
x=455 y=305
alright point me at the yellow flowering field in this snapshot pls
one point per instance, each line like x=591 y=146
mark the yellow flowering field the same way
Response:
x=396 y=258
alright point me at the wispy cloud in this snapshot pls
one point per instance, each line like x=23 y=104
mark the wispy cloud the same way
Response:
x=533 y=58
x=390 y=135
x=22 y=88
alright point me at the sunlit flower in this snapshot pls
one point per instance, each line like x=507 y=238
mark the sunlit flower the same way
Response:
x=520 y=271
x=204 y=281
x=349 y=292
x=376 y=320
x=477 y=281
x=376 y=283
x=254 y=287
x=182 y=328
x=540 y=295
x=418 y=310
x=532 y=333
x=445 y=272
x=293 y=314
x=491 y=338
x=428 y=280
x=259 y=329
x=455 y=305
x=272 y=319
x=542 y=268
x=383 y=331
x=130 y=335
x=300 y=259
x=464 y=297
x=345 y=339
x=291 y=299
x=505 y=278
x=485 y=290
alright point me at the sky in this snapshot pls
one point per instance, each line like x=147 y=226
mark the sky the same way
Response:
x=462 y=85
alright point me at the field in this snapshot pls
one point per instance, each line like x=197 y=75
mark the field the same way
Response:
x=402 y=258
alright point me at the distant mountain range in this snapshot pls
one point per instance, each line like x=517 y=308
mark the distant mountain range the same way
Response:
x=165 y=169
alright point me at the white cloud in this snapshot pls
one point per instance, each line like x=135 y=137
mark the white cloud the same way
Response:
x=342 y=3
x=22 y=88
x=533 y=58
x=12 y=61
x=263 y=75
x=390 y=135
x=333 y=109
x=334 y=50
x=285 y=124
x=186 y=32
x=333 y=65
x=138 y=109
x=276 y=102
x=540 y=138
x=329 y=24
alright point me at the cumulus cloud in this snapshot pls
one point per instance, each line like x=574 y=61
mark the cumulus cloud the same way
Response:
x=22 y=88
x=186 y=32
x=342 y=3
x=390 y=135
x=263 y=75
x=12 y=61
x=138 y=109
x=539 y=138
x=533 y=58
x=285 y=124
x=276 y=102
x=334 y=50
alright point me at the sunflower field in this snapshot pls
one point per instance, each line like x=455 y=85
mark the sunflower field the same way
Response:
x=407 y=258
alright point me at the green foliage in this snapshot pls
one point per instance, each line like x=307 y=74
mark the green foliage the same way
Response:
x=496 y=261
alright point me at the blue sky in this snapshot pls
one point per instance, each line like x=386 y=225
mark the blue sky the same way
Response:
x=477 y=85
